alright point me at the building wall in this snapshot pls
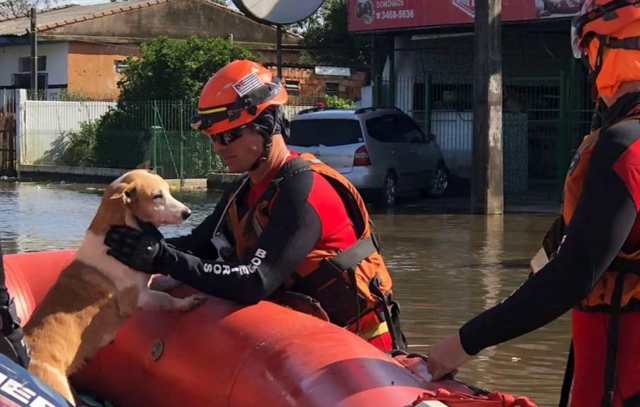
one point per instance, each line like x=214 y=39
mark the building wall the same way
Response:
x=536 y=59
x=175 y=19
x=92 y=69
x=528 y=50
x=314 y=86
x=56 y=68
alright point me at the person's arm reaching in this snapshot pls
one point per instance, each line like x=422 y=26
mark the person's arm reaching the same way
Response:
x=598 y=230
x=293 y=230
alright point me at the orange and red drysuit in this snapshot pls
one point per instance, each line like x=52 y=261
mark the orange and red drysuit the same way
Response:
x=304 y=228
x=599 y=252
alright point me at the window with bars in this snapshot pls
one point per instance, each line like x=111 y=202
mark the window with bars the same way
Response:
x=293 y=87
x=331 y=88
x=24 y=64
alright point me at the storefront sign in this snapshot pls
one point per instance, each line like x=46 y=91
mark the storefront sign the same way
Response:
x=371 y=15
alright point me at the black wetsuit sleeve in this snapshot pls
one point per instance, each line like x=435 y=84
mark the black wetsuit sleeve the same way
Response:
x=293 y=230
x=600 y=226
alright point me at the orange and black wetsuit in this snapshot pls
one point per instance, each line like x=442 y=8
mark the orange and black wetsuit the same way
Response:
x=279 y=238
x=601 y=244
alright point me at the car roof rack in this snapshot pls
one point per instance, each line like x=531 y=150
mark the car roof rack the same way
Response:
x=320 y=109
x=374 y=108
x=311 y=109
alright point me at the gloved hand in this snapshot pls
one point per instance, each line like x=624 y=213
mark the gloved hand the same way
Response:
x=12 y=342
x=137 y=249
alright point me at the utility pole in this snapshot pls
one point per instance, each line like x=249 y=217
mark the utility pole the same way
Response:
x=34 y=54
x=487 y=170
x=279 y=49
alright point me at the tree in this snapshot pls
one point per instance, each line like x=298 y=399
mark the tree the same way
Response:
x=329 y=40
x=20 y=8
x=173 y=69
x=160 y=88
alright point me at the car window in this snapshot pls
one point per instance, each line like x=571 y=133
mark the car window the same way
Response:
x=383 y=128
x=408 y=130
x=328 y=132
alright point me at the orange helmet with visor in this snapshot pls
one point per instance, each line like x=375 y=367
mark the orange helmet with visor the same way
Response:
x=235 y=96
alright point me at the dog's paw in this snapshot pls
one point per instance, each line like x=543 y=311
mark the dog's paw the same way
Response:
x=191 y=302
x=160 y=282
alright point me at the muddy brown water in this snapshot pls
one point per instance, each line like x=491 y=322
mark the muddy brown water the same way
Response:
x=446 y=268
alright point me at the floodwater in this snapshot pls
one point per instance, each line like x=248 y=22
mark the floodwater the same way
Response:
x=446 y=268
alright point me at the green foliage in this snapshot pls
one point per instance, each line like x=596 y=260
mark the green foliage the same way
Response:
x=330 y=41
x=173 y=69
x=66 y=96
x=336 y=102
x=160 y=88
x=122 y=140
x=80 y=146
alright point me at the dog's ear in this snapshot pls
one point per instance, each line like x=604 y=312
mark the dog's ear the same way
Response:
x=145 y=165
x=126 y=192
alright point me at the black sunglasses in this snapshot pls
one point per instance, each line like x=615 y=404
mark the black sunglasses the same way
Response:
x=230 y=136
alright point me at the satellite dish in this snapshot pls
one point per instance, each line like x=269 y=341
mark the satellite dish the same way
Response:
x=278 y=12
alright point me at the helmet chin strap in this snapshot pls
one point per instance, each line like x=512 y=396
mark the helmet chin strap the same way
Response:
x=267 y=130
x=266 y=149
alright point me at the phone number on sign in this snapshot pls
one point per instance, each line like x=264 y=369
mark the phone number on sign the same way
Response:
x=394 y=14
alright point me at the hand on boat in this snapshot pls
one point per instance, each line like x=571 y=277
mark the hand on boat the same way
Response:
x=446 y=356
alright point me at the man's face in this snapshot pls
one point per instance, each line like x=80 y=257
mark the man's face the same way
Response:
x=241 y=152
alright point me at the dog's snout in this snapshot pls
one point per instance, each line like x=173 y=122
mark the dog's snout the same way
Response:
x=186 y=213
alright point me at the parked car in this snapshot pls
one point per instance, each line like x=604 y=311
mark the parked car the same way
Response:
x=382 y=151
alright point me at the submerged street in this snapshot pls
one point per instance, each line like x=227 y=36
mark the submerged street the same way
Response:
x=446 y=267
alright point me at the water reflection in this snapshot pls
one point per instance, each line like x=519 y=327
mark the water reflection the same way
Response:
x=446 y=267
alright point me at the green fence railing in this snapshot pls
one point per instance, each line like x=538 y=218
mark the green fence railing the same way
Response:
x=155 y=134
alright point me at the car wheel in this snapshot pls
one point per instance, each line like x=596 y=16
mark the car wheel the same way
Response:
x=389 y=191
x=439 y=182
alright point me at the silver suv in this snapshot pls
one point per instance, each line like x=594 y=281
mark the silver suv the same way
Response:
x=380 y=150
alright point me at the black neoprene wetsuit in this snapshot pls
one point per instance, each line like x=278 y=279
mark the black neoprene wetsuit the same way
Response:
x=605 y=221
x=307 y=213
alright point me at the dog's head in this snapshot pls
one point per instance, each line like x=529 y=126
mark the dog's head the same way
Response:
x=145 y=196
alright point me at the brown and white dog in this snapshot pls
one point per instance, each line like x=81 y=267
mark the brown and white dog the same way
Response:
x=96 y=293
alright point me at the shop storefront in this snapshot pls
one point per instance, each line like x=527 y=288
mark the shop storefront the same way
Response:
x=423 y=63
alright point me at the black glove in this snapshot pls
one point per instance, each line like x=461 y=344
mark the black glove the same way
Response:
x=12 y=342
x=137 y=249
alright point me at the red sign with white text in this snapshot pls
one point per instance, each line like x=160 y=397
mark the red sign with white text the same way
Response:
x=371 y=15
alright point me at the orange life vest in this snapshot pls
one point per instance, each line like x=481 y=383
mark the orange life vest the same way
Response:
x=602 y=293
x=603 y=342
x=318 y=272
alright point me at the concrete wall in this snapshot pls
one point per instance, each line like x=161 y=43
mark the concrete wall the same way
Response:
x=92 y=69
x=42 y=126
x=56 y=54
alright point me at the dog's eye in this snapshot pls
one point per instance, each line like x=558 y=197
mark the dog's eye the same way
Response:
x=157 y=196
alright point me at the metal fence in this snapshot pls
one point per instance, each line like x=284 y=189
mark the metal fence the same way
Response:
x=126 y=135
x=159 y=132
x=544 y=119
x=7 y=100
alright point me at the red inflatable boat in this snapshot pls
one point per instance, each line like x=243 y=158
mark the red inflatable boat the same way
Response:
x=221 y=354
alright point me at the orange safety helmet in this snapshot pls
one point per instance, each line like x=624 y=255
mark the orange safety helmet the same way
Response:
x=608 y=26
x=235 y=96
